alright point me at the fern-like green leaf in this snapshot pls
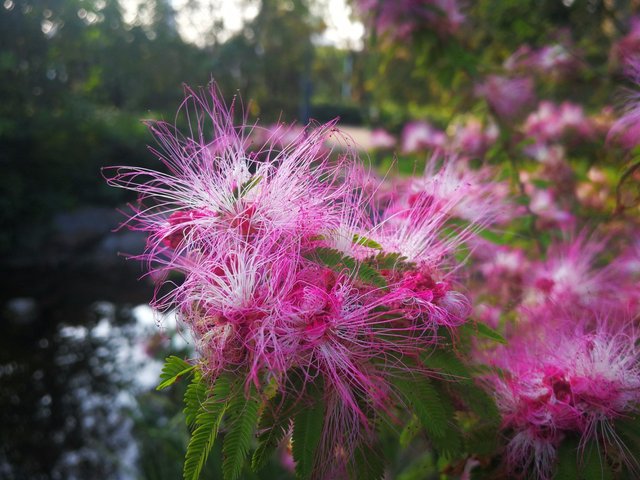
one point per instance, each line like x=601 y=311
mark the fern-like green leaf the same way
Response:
x=446 y=362
x=328 y=256
x=478 y=401
x=237 y=441
x=207 y=423
x=460 y=381
x=482 y=330
x=366 y=242
x=173 y=369
x=387 y=261
x=567 y=468
x=481 y=439
x=335 y=260
x=367 y=462
x=435 y=414
x=594 y=464
x=410 y=431
x=194 y=396
x=274 y=424
x=307 y=430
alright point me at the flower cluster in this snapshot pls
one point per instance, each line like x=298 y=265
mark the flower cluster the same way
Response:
x=571 y=367
x=556 y=60
x=564 y=376
x=401 y=19
x=311 y=278
x=300 y=268
x=626 y=130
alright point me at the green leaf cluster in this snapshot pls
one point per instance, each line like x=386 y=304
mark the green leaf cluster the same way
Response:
x=339 y=262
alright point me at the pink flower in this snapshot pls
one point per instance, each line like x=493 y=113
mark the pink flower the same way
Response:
x=556 y=60
x=400 y=19
x=550 y=155
x=412 y=216
x=543 y=203
x=629 y=45
x=247 y=226
x=381 y=139
x=626 y=130
x=507 y=97
x=420 y=135
x=552 y=122
x=473 y=139
x=563 y=375
x=569 y=276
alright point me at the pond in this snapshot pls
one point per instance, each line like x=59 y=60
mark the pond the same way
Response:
x=78 y=351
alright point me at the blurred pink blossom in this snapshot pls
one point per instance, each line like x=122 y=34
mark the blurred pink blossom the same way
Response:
x=552 y=122
x=626 y=130
x=381 y=139
x=564 y=374
x=629 y=45
x=556 y=60
x=472 y=138
x=420 y=135
x=508 y=97
x=400 y=19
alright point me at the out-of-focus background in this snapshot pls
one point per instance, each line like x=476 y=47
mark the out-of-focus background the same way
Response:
x=79 y=350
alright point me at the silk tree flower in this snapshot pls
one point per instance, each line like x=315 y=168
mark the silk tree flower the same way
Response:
x=594 y=192
x=563 y=375
x=420 y=135
x=473 y=139
x=547 y=204
x=505 y=267
x=410 y=220
x=547 y=154
x=246 y=224
x=627 y=268
x=484 y=201
x=570 y=275
x=507 y=97
x=629 y=261
x=552 y=122
x=415 y=210
x=629 y=45
x=381 y=139
x=400 y=19
x=626 y=130
x=555 y=60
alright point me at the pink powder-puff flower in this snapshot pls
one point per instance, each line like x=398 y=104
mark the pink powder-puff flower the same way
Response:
x=501 y=271
x=419 y=136
x=629 y=260
x=505 y=261
x=564 y=375
x=552 y=122
x=556 y=60
x=399 y=20
x=246 y=225
x=629 y=45
x=412 y=219
x=570 y=276
x=626 y=130
x=473 y=139
x=488 y=314
x=507 y=97
x=550 y=155
x=381 y=139
x=485 y=200
x=543 y=203
x=217 y=191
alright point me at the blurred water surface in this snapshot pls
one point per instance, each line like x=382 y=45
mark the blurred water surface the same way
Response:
x=76 y=353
